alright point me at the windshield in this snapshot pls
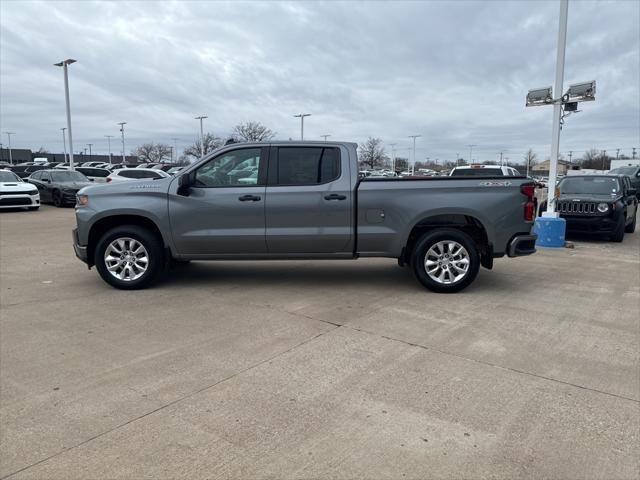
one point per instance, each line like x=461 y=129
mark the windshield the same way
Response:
x=68 y=176
x=476 y=172
x=624 y=170
x=589 y=185
x=9 y=177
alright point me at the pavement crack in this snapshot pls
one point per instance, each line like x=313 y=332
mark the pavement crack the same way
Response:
x=173 y=402
x=489 y=364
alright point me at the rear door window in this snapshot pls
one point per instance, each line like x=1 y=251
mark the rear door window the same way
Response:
x=307 y=165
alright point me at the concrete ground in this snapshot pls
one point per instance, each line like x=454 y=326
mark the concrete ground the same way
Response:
x=331 y=369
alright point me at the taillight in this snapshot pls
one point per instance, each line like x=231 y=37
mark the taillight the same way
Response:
x=109 y=179
x=529 y=190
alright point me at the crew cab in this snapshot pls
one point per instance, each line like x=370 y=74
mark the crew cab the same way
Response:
x=302 y=200
x=603 y=204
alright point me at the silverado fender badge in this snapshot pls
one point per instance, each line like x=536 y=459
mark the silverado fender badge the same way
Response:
x=144 y=186
x=495 y=183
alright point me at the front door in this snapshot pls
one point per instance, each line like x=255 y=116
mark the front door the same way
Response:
x=309 y=201
x=222 y=212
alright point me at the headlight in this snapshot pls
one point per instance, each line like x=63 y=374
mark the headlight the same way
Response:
x=603 y=207
x=82 y=199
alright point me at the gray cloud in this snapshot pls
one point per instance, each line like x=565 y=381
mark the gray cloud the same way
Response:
x=454 y=72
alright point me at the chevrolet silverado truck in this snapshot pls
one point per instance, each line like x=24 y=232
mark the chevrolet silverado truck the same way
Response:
x=302 y=200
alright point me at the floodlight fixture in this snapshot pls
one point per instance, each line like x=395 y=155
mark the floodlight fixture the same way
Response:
x=539 y=96
x=580 y=92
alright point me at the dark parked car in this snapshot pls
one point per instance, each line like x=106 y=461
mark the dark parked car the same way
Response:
x=23 y=171
x=598 y=204
x=631 y=171
x=58 y=186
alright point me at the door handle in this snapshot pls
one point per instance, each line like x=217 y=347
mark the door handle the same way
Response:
x=249 y=198
x=335 y=196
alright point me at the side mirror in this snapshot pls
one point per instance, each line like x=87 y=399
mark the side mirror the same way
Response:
x=46 y=180
x=184 y=182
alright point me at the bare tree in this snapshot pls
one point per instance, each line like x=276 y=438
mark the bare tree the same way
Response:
x=372 y=153
x=530 y=159
x=152 y=152
x=595 y=159
x=252 y=132
x=211 y=143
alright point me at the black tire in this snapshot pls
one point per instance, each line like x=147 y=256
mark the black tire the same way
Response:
x=618 y=234
x=153 y=246
x=428 y=240
x=632 y=226
x=33 y=209
x=56 y=198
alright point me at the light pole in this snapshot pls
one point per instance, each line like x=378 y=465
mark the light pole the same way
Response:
x=9 y=137
x=393 y=156
x=301 y=117
x=109 y=137
x=175 y=148
x=201 y=117
x=122 y=124
x=64 y=143
x=457 y=159
x=325 y=137
x=89 y=145
x=64 y=64
x=471 y=152
x=557 y=107
x=413 y=165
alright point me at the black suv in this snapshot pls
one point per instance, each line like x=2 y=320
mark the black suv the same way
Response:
x=604 y=204
x=633 y=172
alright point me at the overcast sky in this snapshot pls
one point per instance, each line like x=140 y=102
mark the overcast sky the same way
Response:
x=454 y=72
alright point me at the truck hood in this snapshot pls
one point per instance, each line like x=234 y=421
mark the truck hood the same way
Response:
x=160 y=185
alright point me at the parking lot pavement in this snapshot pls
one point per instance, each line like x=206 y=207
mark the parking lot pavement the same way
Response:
x=331 y=369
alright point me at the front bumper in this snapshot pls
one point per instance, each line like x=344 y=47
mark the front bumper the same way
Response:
x=522 y=245
x=69 y=196
x=19 y=200
x=81 y=251
x=597 y=224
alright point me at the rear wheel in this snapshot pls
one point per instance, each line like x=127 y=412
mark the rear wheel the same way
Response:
x=445 y=260
x=56 y=198
x=129 y=257
x=632 y=226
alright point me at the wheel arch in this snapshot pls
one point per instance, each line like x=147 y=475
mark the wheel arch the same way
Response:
x=104 y=224
x=464 y=222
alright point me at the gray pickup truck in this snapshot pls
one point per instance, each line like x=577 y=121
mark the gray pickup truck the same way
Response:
x=302 y=200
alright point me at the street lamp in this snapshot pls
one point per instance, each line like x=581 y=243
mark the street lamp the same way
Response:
x=325 y=137
x=89 y=145
x=109 y=137
x=393 y=156
x=64 y=64
x=122 y=124
x=175 y=149
x=9 y=137
x=471 y=152
x=201 y=117
x=301 y=117
x=413 y=166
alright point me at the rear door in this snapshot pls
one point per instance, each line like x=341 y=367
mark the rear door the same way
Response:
x=309 y=200
x=222 y=213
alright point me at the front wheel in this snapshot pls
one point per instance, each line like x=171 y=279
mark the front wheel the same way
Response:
x=632 y=226
x=618 y=234
x=56 y=198
x=129 y=257
x=445 y=260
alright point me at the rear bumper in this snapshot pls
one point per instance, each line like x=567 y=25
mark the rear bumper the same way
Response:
x=81 y=251
x=522 y=245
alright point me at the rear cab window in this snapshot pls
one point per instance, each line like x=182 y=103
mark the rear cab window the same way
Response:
x=477 y=172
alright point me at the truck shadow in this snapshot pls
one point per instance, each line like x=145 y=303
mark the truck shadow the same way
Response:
x=334 y=275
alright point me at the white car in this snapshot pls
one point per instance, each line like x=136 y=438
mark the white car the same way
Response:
x=484 y=171
x=127 y=174
x=16 y=193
